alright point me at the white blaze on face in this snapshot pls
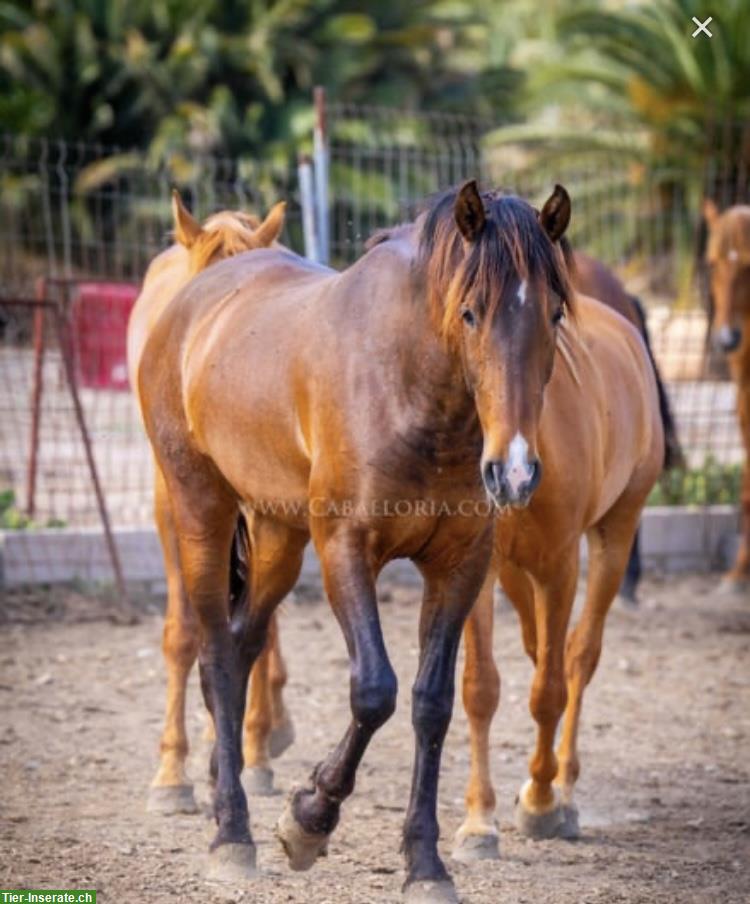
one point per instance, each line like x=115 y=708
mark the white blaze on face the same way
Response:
x=521 y=294
x=518 y=471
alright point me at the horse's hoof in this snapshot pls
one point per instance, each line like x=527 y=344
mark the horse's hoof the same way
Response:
x=281 y=738
x=570 y=829
x=302 y=848
x=231 y=863
x=258 y=781
x=546 y=823
x=733 y=586
x=469 y=847
x=431 y=892
x=168 y=800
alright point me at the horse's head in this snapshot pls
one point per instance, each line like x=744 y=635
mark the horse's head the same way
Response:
x=505 y=290
x=224 y=234
x=728 y=256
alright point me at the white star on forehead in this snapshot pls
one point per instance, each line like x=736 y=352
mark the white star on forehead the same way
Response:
x=733 y=254
x=521 y=294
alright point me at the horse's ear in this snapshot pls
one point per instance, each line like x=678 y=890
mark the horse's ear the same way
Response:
x=555 y=214
x=186 y=227
x=270 y=229
x=711 y=212
x=469 y=211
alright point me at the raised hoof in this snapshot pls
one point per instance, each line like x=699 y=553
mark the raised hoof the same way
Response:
x=169 y=800
x=547 y=824
x=231 y=863
x=430 y=892
x=281 y=738
x=258 y=781
x=302 y=848
x=469 y=848
x=570 y=829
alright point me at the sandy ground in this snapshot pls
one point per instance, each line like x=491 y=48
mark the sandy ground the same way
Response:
x=664 y=795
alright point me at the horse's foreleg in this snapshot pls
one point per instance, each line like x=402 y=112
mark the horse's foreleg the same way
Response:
x=739 y=576
x=609 y=545
x=170 y=791
x=312 y=813
x=538 y=811
x=478 y=837
x=448 y=598
x=282 y=727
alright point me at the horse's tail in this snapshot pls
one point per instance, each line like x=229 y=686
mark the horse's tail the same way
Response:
x=239 y=567
x=673 y=454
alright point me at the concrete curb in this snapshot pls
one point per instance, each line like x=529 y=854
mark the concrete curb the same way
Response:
x=673 y=539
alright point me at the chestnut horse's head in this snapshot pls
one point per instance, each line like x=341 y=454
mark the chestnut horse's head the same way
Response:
x=501 y=287
x=224 y=234
x=728 y=256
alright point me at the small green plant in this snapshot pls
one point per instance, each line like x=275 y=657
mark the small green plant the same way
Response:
x=12 y=518
x=712 y=484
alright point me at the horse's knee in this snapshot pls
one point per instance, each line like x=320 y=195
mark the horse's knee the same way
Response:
x=431 y=714
x=548 y=699
x=374 y=700
x=481 y=693
x=180 y=642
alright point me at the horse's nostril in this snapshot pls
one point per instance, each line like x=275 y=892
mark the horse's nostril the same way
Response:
x=493 y=477
x=728 y=338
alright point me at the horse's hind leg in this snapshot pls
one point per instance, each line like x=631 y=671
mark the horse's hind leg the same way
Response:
x=276 y=562
x=609 y=544
x=632 y=578
x=538 y=810
x=478 y=838
x=171 y=792
x=312 y=813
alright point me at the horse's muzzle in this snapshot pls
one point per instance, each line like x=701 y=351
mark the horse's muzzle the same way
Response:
x=728 y=338
x=511 y=486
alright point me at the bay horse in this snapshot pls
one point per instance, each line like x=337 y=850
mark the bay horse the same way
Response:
x=593 y=278
x=728 y=258
x=600 y=437
x=321 y=404
x=267 y=729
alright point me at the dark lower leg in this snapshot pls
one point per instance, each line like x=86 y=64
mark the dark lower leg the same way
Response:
x=432 y=705
x=629 y=586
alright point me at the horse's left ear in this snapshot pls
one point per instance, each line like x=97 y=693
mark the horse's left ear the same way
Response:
x=270 y=229
x=555 y=214
x=186 y=227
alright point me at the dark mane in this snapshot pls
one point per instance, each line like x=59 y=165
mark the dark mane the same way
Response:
x=512 y=242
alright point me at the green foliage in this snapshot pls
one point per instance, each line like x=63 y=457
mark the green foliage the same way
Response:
x=232 y=76
x=12 y=518
x=713 y=484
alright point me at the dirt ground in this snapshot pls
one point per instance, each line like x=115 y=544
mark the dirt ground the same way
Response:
x=664 y=794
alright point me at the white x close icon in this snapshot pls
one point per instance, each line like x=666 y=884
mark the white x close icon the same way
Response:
x=702 y=26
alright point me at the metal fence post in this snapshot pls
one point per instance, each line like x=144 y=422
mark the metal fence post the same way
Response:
x=320 y=175
x=307 y=200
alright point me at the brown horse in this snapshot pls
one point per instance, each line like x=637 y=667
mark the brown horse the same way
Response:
x=591 y=277
x=600 y=438
x=370 y=411
x=267 y=724
x=728 y=257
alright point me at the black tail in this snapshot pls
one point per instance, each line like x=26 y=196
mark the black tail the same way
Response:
x=673 y=455
x=239 y=566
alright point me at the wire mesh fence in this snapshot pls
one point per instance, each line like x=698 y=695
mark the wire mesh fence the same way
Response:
x=89 y=220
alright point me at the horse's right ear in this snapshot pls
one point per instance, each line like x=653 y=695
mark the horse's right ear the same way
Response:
x=469 y=211
x=711 y=212
x=186 y=227
x=270 y=229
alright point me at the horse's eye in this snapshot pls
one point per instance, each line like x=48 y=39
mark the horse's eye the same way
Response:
x=468 y=317
x=558 y=315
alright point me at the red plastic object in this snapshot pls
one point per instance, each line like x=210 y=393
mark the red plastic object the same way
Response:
x=100 y=313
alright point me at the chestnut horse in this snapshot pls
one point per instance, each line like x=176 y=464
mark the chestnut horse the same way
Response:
x=591 y=277
x=321 y=404
x=223 y=235
x=728 y=257
x=600 y=439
